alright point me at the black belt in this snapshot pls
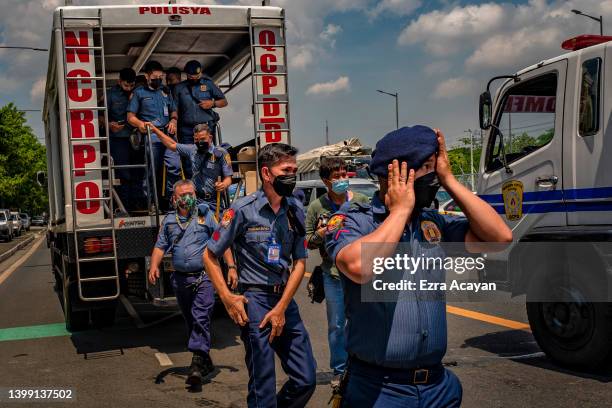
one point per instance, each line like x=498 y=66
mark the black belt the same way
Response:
x=410 y=376
x=196 y=273
x=273 y=289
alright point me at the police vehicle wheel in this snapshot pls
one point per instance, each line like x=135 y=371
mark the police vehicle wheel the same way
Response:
x=576 y=334
x=103 y=317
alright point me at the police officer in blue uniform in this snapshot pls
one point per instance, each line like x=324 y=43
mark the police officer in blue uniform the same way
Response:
x=185 y=232
x=267 y=231
x=152 y=104
x=396 y=348
x=211 y=165
x=196 y=97
x=117 y=98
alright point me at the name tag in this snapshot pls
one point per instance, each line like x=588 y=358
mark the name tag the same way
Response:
x=274 y=249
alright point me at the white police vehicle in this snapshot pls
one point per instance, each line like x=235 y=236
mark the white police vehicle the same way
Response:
x=547 y=168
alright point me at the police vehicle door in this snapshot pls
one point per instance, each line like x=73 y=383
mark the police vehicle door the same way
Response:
x=525 y=184
x=587 y=164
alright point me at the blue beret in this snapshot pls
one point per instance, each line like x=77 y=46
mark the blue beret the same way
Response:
x=414 y=145
x=193 y=67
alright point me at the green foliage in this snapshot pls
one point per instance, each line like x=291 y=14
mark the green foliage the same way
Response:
x=459 y=157
x=21 y=156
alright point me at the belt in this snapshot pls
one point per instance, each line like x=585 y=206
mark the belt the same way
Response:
x=195 y=273
x=409 y=376
x=273 y=289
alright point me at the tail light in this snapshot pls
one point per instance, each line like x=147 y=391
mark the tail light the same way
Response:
x=95 y=245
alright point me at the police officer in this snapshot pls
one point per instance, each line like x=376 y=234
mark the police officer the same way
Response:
x=267 y=230
x=173 y=78
x=396 y=349
x=209 y=163
x=152 y=104
x=184 y=232
x=121 y=151
x=196 y=97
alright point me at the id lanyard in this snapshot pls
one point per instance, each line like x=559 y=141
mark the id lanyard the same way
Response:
x=274 y=248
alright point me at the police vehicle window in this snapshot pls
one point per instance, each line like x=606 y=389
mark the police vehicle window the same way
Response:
x=527 y=120
x=589 y=98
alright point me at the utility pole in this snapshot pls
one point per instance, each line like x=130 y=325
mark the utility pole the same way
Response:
x=472 y=182
x=396 y=96
x=326 y=133
x=599 y=20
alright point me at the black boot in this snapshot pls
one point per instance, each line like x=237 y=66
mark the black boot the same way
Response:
x=195 y=370
x=207 y=366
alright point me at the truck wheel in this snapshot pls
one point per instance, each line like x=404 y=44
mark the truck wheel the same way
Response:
x=75 y=320
x=104 y=317
x=572 y=331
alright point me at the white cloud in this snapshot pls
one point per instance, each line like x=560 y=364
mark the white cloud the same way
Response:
x=301 y=56
x=396 y=7
x=437 y=68
x=38 y=90
x=328 y=88
x=453 y=87
x=330 y=33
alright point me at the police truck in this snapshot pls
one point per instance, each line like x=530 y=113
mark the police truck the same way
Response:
x=546 y=168
x=98 y=249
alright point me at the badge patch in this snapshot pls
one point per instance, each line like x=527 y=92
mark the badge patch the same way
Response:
x=227 y=158
x=512 y=192
x=335 y=222
x=228 y=216
x=431 y=232
x=203 y=88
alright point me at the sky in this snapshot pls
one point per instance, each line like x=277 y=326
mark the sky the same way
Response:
x=438 y=55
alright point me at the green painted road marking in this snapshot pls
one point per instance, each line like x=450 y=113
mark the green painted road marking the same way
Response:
x=34 y=332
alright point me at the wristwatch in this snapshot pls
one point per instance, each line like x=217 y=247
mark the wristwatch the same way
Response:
x=232 y=267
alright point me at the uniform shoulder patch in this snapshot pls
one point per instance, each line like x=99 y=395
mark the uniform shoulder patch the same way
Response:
x=335 y=222
x=431 y=232
x=228 y=216
x=203 y=88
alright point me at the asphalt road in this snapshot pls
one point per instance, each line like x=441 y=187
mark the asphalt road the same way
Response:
x=122 y=366
x=6 y=246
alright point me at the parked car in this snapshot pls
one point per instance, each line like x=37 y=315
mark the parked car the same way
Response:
x=25 y=219
x=6 y=225
x=17 y=224
x=308 y=187
x=38 y=221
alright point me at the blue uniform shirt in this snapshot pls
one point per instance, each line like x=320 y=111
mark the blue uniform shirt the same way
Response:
x=187 y=252
x=206 y=168
x=190 y=113
x=410 y=332
x=117 y=103
x=153 y=106
x=249 y=224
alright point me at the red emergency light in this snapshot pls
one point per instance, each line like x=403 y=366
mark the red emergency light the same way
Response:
x=584 y=41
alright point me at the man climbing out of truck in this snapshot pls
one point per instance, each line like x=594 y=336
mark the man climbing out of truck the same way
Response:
x=211 y=165
x=185 y=233
x=152 y=104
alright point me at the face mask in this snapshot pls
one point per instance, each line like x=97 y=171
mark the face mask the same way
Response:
x=155 y=83
x=284 y=185
x=202 y=146
x=185 y=202
x=340 y=186
x=425 y=189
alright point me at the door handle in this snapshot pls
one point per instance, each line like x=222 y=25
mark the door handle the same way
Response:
x=547 y=181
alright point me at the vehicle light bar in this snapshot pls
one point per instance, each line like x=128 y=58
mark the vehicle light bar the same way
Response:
x=584 y=41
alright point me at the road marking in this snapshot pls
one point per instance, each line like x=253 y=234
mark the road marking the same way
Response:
x=163 y=359
x=34 y=332
x=21 y=260
x=499 y=321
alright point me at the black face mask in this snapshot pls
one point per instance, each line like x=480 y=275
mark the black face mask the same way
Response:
x=155 y=83
x=202 y=146
x=425 y=189
x=284 y=185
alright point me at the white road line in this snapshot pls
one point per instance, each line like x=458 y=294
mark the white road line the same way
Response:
x=21 y=260
x=163 y=359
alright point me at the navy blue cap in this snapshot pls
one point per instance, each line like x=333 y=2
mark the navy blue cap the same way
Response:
x=414 y=145
x=193 y=67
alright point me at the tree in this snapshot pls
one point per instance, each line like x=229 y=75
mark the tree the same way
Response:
x=21 y=156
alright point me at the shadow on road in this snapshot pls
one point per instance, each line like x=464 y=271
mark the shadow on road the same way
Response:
x=520 y=346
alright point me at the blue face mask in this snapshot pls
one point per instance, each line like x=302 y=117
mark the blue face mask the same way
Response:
x=340 y=186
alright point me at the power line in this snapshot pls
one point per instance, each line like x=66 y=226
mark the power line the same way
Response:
x=11 y=47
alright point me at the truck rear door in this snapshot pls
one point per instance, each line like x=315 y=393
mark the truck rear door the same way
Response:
x=525 y=183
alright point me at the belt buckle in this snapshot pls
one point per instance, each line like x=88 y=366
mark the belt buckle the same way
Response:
x=277 y=289
x=417 y=373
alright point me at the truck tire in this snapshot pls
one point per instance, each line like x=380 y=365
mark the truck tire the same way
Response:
x=75 y=320
x=569 y=329
x=104 y=317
